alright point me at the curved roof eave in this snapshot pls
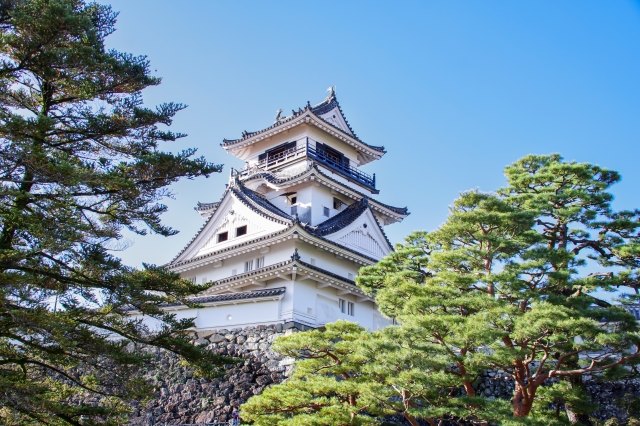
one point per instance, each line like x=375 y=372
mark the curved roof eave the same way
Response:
x=296 y=230
x=400 y=212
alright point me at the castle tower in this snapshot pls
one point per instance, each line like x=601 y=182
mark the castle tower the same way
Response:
x=287 y=237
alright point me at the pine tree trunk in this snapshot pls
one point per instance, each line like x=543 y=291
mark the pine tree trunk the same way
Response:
x=412 y=420
x=521 y=403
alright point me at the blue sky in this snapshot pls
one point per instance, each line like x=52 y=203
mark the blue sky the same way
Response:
x=454 y=90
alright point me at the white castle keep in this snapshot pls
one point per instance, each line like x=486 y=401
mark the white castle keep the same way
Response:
x=291 y=230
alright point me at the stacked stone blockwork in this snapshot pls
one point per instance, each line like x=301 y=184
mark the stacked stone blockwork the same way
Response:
x=183 y=398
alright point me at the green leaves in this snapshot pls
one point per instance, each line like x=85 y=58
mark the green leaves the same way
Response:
x=505 y=284
x=80 y=160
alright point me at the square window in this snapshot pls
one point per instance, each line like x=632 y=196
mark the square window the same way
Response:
x=223 y=236
x=294 y=199
x=337 y=203
x=326 y=211
x=241 y=230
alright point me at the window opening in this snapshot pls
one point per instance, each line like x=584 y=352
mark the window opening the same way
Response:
x=248 y=265
x=337 y=203
x=277 y=153
x=342 y=305
x=241 y=230
x=350 y=308
x=326 y=211
x=332 y=156
x=223 y=236
x=260 y=262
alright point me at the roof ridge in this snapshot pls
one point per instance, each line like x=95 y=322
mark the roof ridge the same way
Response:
x=258 y=202
x=206 y=222
x=342 y=219
x=323 y=107
x=269 y=176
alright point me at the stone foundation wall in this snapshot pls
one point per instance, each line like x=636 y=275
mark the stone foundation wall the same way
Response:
x=182 y=398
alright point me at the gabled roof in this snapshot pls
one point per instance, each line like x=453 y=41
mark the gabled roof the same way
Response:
x=292 y=266
x=342 y=219
x=229 y=297
x=314 y=169
x=254 y=201
x=329 y=104
x=258 y=203
x=303 y=115
x=346 y=218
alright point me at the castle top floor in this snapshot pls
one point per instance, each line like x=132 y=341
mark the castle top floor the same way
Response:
x=319 y=126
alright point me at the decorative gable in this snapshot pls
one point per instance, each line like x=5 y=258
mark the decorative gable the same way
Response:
x=363 y=239
x=233 y=222
x=335 y=117
x=363 y=235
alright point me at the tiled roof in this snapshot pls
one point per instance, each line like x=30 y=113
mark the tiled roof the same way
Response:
x=257 y=202
x=294 y=261
x=327 y=105
x=342 y=219
x=251 y=199
x=323 y=107
x=201 y=207
x=304 y=228
x=326 y=272
x=268 y=176
x=206 y=222
x=228 y=297
x=345 y=218
x=271 y=292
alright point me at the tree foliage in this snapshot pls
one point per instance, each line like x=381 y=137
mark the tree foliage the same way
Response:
x=510 y=282
x=80 y=161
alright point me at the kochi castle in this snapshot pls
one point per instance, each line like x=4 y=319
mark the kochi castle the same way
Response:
x=286 y=239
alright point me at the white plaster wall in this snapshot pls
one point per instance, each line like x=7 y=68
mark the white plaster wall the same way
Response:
x=225 y=268
x=240 y=314
x=237 y=315
x=328 y=261
x=320 y=306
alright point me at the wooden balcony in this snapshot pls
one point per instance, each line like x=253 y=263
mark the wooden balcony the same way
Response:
x=308 y=148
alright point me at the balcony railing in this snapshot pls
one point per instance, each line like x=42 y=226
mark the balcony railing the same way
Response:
x=347 y=171
x=309 y=150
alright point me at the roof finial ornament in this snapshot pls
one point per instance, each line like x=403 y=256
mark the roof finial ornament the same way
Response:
x=332 y=92
x=279 y=115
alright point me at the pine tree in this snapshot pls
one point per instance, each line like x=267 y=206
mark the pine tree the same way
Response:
x=524 y=249
x=80 y=162
x=327 y=387
x=577 y=228
x=505 y=284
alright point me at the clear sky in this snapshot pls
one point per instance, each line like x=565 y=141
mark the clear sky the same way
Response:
x=454 y=90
